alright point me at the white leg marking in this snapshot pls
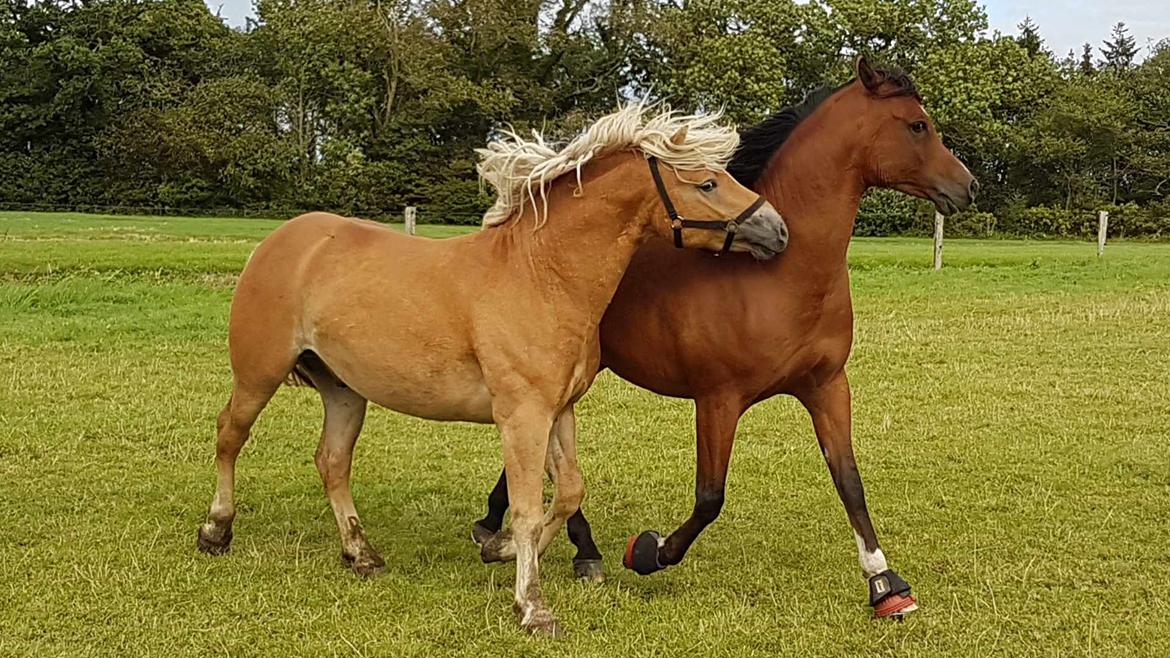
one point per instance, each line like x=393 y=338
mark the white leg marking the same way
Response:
x=871 y=563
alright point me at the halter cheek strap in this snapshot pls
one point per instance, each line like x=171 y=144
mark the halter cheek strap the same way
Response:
x=678 y=222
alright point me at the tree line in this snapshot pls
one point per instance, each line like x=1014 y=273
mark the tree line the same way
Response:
x=366 y=106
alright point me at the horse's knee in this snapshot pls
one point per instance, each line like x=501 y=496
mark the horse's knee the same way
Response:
x=708 y=504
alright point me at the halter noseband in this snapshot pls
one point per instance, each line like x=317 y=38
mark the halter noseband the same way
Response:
x=678 y=223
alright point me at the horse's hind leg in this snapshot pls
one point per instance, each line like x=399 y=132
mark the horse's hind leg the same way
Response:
x=234 y=424
x=345 y=411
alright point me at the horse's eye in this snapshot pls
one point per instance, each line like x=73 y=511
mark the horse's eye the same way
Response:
x=918 y=127
x=708 y=185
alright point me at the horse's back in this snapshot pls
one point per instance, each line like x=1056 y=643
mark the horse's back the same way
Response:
x=303 y=235
x=311 y=250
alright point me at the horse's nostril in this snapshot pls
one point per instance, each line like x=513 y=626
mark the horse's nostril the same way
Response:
x=973 y=189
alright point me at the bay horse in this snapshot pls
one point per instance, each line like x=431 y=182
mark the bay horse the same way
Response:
x=730 y=333
x=500 y=326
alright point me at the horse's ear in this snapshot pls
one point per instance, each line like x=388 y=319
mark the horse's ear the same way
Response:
x=869 y=77
x=679 y=136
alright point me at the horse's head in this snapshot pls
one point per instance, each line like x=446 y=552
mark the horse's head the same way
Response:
x=708 y=209
x=904 y=150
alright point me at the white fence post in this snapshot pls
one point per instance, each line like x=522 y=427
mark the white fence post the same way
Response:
x=938 y=240
x=1102 y=231
x=408 y=217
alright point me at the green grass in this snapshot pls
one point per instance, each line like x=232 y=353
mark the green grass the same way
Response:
x=1011 y=424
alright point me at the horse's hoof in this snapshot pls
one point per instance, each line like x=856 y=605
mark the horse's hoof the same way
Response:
x=589 y=570
x=367 y=564
x=642 y=553
x=499 y=548
x=541 y=622
x=480 y=534
x=895 y=607
x=890 y=596
x=209 y=545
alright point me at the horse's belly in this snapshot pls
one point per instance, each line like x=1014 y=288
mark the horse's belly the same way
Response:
x=437 y=400
x=418 y=386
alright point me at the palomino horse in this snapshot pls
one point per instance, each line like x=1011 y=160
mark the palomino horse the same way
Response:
x=783 y=327
x=500 y=326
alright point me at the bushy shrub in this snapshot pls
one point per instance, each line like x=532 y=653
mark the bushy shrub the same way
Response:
x=886 y=212
x=971 y=224
x=1132 y=220
x=1046 y=222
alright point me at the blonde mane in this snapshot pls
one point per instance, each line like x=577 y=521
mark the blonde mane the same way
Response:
x=519 y=169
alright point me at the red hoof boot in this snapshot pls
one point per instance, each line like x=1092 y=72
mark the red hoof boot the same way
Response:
x=895 y=606
x=642 y=554
x=890 y=596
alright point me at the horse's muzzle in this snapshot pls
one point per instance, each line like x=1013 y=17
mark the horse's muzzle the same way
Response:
x=764 y=233
x=954 y=196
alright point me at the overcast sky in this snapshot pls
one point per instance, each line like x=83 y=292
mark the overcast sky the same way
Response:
x=1064 y=25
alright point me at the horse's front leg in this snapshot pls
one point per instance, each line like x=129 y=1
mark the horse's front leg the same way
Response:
x=830 y=406
x=525 y=438
x=716 y=418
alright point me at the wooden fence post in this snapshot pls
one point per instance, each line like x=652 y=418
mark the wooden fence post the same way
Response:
x=1102 y=231
x=408 y=217
x=938 y=240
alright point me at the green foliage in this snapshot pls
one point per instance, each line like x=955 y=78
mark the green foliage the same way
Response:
x=885 y=212
x=1130 y=219
x=1029 y=37
x=1121 y=51
x=972 y=224
x=1086 y=64
x=365 y=106
x=1047 y=221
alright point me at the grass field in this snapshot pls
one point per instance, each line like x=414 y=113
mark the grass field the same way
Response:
x=1011 y=425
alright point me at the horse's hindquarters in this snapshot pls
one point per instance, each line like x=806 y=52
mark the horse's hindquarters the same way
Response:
x=372 y=304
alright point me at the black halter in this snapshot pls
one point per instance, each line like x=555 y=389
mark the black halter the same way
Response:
x=678 y=223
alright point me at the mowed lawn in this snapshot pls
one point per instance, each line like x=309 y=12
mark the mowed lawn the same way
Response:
x=1010 y=422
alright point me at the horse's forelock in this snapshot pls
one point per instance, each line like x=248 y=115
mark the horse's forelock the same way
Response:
x=899 y=82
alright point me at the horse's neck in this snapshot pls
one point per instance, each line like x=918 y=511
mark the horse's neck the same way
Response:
x=816 y=183
x=583 y=247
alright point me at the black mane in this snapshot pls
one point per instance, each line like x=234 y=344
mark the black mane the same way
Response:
x=759 y=143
